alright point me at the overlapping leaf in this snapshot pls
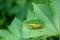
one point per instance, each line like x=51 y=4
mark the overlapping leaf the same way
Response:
x=40 y=13
x=14 y=32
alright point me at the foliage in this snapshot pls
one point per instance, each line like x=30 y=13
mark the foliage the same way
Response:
x=15 y=15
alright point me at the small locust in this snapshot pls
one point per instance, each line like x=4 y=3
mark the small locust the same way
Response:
x=35 y=25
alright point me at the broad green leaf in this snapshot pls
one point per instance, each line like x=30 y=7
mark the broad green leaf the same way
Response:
x=48 y=28
x=7 y=35
x=45 y=8
x=56 y=8
x=57 y=21
x=43 y=16
x=16 y=27
x=14 y=32
x=45 y=12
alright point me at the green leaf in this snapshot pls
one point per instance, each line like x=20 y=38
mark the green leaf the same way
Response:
x=56 y=8
x=43 y=16
x=7 y=35
x=45 y=12
x=48 y=28
x=14 y=32
x=16 y=27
